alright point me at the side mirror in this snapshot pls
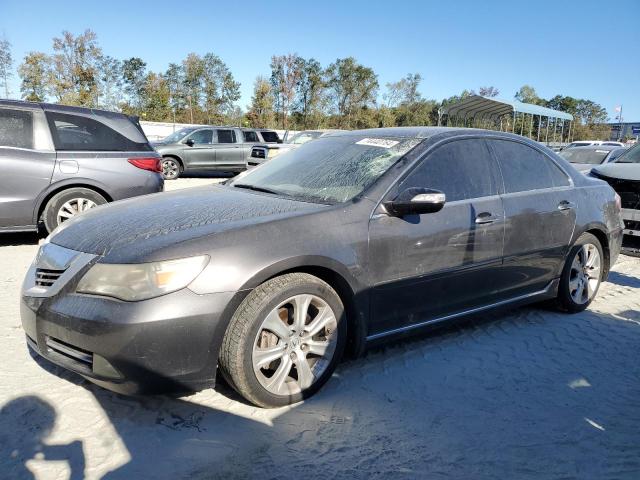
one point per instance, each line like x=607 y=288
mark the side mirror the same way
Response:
x=415 y=201
x=189 y=142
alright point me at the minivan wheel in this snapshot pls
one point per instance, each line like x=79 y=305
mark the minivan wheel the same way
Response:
x=171 y=168
x=284 y=340
x=69 y=203
x=582 y=274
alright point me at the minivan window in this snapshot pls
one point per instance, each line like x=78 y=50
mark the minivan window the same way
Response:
x=462 y=169
x=202 y=137
x=226 y=136
x=524 y=168
x=270 y=137
x=16 y=128
x=250 y=136
x=77 y=133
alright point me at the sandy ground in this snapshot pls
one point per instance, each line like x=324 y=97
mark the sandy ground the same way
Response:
x=528 y=394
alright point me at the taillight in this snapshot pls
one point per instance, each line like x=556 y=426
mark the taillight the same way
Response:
x=152 y=164
x=618 y=202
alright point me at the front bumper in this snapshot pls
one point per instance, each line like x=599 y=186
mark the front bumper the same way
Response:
x=167 y=343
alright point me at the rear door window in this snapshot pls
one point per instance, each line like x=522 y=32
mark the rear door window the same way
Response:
x=250 y=137
x=202 y=137
x=462 y=169
x=78 y=133
x=226 y=136
x=525 y=168
x=270 y=137
x=16 y=128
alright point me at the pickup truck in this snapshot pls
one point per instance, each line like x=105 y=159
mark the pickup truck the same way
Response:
x=210 y=148
x=261 y=153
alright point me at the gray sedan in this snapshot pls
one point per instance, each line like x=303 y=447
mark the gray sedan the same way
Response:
x=346 y=241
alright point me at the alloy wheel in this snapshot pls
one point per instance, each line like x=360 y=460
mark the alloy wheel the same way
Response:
x=73 y=207
x=295 y=344
x=170 y=169
x=585 y=275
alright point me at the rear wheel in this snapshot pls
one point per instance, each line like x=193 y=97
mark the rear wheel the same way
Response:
x=284 y=341
x=171 y=168
x=67 y=204
x=582 y=274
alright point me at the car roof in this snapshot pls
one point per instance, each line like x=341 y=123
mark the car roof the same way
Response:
x=597 y=147
x=427 y=132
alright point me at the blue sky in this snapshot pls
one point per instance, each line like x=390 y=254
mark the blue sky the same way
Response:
x=585 y=49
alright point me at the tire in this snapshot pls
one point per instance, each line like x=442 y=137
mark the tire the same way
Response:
x=580 y=279
x=262 y=365
x=68 y=203
x=171 y=168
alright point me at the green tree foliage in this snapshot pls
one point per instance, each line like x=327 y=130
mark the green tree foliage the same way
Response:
x=310 y=98
x=352 y=88
x=134 y=73
x=34 y=74
x=260 y=113
x=6 y=64
x=73 y=76
x=285 y=77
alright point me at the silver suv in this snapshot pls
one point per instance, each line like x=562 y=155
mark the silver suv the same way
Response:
x=212 y=148
x=58 y=161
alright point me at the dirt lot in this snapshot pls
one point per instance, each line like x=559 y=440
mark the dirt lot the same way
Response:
x=526 y=394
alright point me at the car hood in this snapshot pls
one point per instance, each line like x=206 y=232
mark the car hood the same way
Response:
x=130 y=230
x=623 y=171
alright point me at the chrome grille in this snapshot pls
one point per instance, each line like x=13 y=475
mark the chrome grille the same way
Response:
x=46 y=277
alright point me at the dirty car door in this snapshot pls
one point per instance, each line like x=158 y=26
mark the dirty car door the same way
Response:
x=424 y=267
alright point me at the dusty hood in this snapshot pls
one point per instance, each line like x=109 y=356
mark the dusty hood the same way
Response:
x=622 y=171
x=140 y=226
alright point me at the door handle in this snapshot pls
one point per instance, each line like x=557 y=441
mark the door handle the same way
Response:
x=485 y=217
x=566 y=205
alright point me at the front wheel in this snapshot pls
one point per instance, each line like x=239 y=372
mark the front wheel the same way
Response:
x=171 y=168
x=582 y=274
x=284 y=341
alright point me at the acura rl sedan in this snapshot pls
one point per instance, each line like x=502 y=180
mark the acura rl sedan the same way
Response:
x=350 y=239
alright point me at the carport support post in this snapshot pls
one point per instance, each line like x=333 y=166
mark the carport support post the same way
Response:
x=531 y=127
x=562 y=133
x=555 y=129
x=569 y=135
x=524 y=117
x=539 y=126
x=513 y=127
x=546 y=135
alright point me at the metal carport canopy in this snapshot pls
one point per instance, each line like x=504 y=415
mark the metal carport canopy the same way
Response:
x=475 y=104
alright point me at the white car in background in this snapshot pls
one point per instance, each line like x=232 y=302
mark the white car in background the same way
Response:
x=261 y=153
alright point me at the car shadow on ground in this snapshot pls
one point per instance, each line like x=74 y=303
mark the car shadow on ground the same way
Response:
x=22 y=238
x=522 y=394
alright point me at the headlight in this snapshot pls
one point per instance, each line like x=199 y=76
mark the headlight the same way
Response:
x=140 y=281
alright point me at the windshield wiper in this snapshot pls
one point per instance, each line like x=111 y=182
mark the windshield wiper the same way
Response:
x=256 y=188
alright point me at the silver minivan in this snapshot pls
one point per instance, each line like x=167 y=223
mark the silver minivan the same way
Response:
x=58 y=161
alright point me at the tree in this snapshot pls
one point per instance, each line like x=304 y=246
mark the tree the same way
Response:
x=405 y=91
x=310 y=92
x=156 y=98
x=109 y=91
x=352 y=87
x=175 y=83
x=75 y=64
x=220 y=89
x=488 y=92
x=6 y=63
x=285 y=75
x=134 y=78
x=527 y=94
x=260 y=114
x=34 y=74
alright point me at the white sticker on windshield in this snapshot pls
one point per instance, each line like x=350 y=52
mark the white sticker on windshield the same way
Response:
x=602 y=151
x=378 y=142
